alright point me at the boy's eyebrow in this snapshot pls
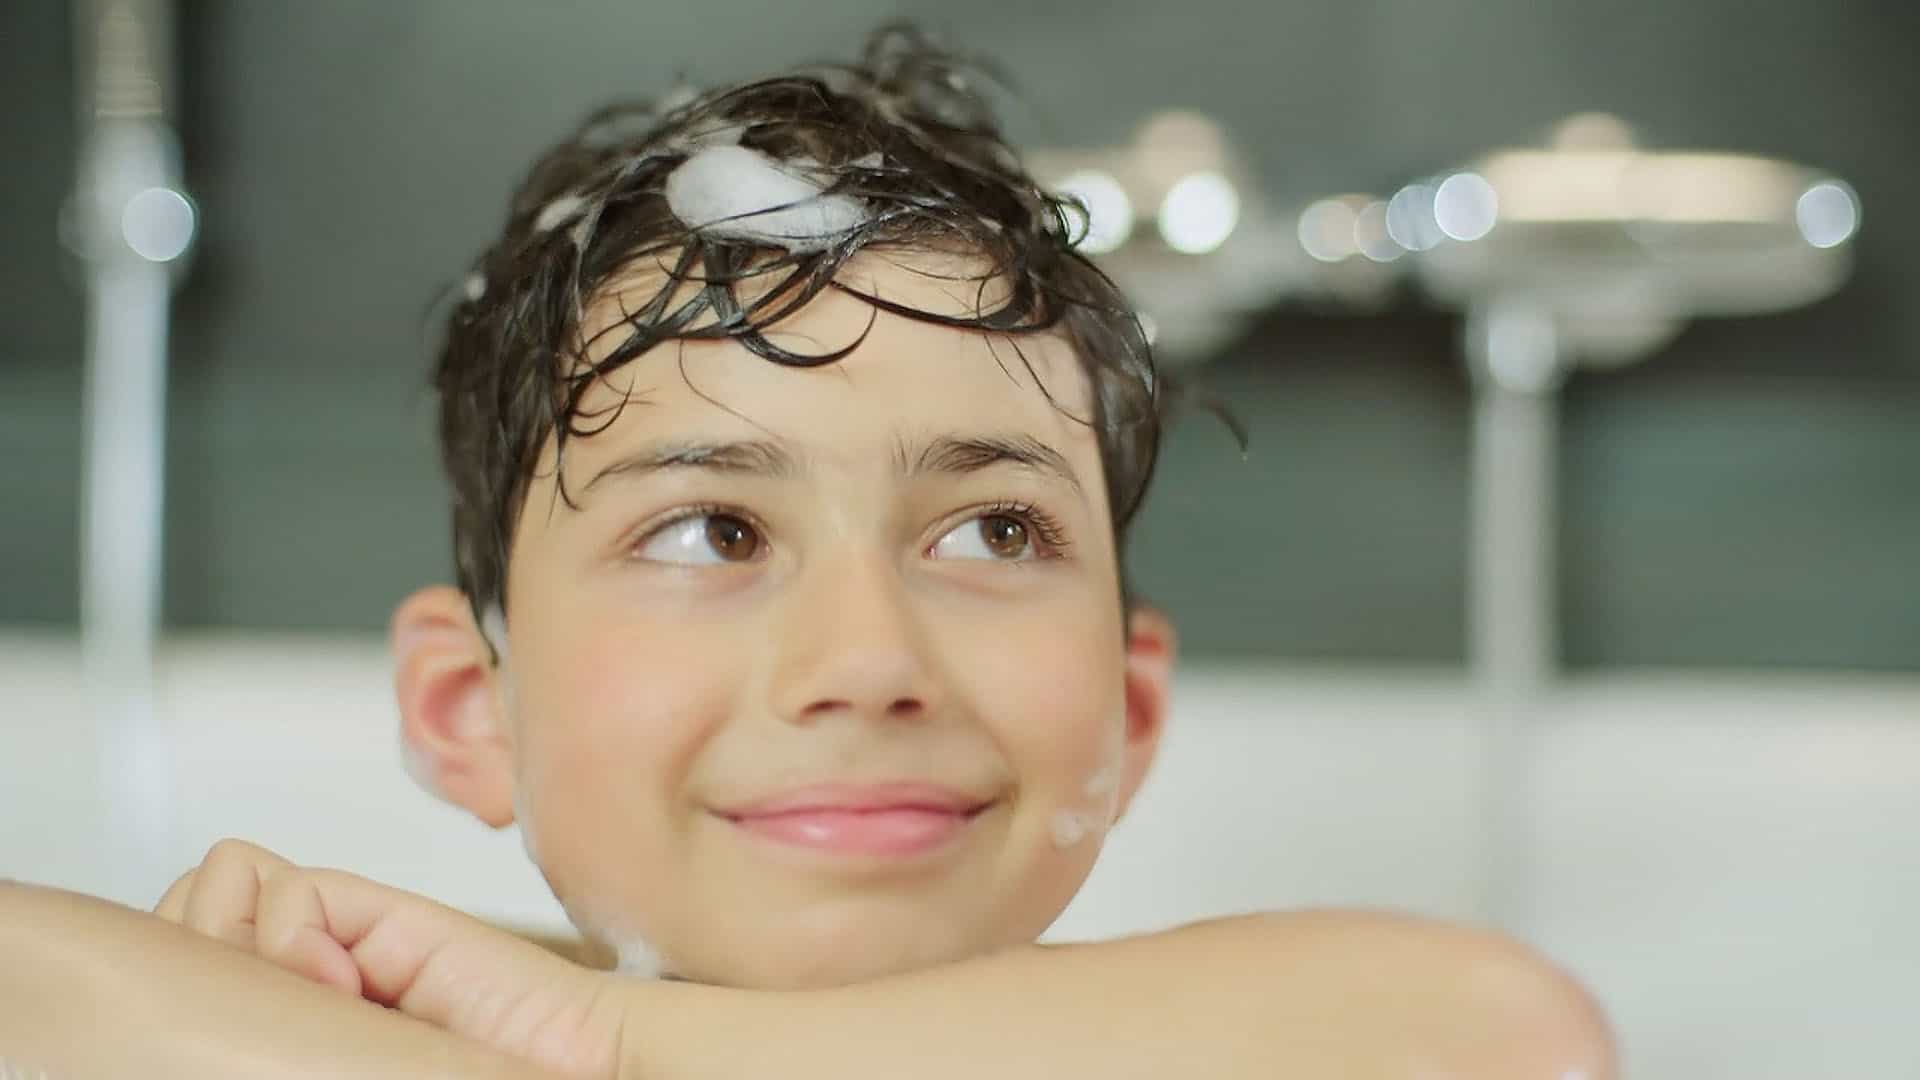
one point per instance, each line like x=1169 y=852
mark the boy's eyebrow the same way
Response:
x=957 y=454
x=762 y=458
x=945 y=454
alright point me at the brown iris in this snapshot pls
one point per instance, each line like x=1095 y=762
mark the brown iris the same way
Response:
x=732 y=539
x=1006 y=537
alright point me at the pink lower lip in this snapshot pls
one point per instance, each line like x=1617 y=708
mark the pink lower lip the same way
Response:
x=891 y=831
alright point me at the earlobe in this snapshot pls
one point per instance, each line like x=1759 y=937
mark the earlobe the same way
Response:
x=452 y=730
x=1152 y=646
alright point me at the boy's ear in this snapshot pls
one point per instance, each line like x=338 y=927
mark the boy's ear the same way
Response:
x=1151 y=648
x=453 y=732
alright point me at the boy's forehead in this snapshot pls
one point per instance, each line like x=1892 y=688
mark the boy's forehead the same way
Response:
x=950 y=283
x=905 y=374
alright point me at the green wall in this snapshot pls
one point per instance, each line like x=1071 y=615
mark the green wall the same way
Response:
x=1751 y=497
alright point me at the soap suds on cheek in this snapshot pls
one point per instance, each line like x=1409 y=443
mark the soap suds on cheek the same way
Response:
x=493 y=627
x=1071 y=825
x=637 y=957
x=1104 y=781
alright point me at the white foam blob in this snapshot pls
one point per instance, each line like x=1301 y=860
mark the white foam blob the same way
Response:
x=635 y=956
x=741 y=194
x=638 y=959
x=558 y=211
x=493 y=627
x=1104 y=781
x=1070 y=827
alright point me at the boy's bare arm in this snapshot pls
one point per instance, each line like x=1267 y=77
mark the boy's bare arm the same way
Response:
x=1311 y=995
x=1294 y=994
x=92 y=989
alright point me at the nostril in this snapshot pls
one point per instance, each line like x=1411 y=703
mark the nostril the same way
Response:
x=826 y=706
x=906 y=708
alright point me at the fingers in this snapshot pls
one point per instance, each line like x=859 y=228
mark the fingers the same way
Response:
x=344 y=930
x=363 y=938
x=292 y=929
x=400 y=950
x=226 y=891
x=408 y=952
x=388 y=935
x=453 y=971
x=255 y=900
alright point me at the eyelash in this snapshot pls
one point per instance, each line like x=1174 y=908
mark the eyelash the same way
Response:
x=688 y=513
x=1044 y=526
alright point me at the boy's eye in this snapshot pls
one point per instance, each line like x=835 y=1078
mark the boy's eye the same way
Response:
x=989 y=536
x=701 y=540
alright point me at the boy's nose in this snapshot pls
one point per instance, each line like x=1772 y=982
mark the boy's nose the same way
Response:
x=851 y=643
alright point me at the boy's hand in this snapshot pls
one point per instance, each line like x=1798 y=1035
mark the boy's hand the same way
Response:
x=403 y=951
x=238 y=887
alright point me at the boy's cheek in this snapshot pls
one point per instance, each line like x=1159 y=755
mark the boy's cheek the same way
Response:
x=1054 y=692
x=1060 y=715
x=606 y=741
x=623 y=689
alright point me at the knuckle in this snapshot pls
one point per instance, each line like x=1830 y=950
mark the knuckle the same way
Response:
x=323 y=876
x=229 y=850
x=279 y=889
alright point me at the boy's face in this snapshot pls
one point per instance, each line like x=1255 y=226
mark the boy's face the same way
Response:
x=826 y=676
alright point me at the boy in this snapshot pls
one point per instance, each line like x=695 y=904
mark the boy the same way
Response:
x=792 y=448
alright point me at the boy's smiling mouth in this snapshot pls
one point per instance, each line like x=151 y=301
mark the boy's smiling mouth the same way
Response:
x=892 y=820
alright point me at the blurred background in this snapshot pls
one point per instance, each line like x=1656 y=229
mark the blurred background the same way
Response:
x=1571 y=581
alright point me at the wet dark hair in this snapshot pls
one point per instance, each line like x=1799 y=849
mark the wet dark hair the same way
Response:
x=906 y=131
